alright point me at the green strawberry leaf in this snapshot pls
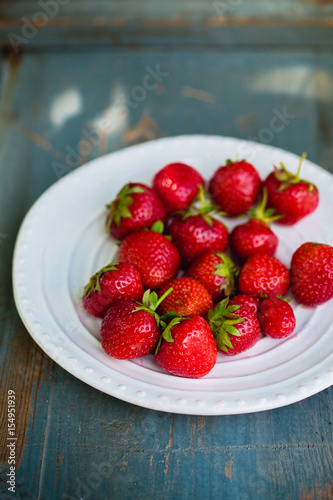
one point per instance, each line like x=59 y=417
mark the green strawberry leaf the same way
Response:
x=153 y=299
x=136 y=189
x=145 y=298
x=167 y=335
x=169 y=316
x=232 y=330
x=222 y=319
x=232 y=309
x=158 y=227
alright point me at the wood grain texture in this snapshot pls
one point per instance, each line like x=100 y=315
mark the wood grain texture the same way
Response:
x=64 y=23
x=58 y=111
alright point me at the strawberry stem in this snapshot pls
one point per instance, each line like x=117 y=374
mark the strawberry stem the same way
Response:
x=287 y=178
x=263 y=214
x=300 y=165
x=204 y=209
x=163 y=297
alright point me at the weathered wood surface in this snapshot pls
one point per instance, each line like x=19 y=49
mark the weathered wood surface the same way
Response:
x=63 y=23
x=58 y=111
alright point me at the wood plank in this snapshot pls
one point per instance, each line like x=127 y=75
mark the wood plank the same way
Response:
x=193 y=10
x=32 y=25
x=93 y=109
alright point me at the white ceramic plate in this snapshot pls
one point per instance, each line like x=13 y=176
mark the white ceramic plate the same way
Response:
x=62 y=243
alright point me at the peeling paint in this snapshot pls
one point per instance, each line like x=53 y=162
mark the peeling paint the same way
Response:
x=324 y=492
x=228 y=467
x=198 y=94
x=145 y=130
x=245 y=123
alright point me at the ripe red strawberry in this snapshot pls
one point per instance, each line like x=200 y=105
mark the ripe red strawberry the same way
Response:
x=255 y=236
x=111 y=283
x=248 y=300
x=252 y=237
x=312 y=273
x=197 y=231
x=235 y=327
x=216 y=272
x=263 y=275
x=194 y=236
x=291 y=196
x=189 y=350
x=130 y=329
x=188 y=297
x=154 y=256
x=136 y=206
x=235 y=187
x=276 y=318
x=177 y=185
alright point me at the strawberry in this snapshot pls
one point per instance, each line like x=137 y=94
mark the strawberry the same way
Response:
x=255 y=236
x=312 y=273
x=289 y=195
x=177 y=185
x=189 y=350
x=197 y=231
x=248 y=300
x=235 y=187
x=136 y=206
x=216 y=272
x=154 y=256
x=131 y=329
x=188 y=297
x=276 y=318
x=263 y=275
x=235 y=327
x=111 y=283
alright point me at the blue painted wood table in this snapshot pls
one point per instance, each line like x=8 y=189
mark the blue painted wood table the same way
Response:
x=225 y=68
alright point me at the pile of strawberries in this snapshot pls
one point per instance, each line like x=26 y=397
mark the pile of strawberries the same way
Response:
x=185 y=288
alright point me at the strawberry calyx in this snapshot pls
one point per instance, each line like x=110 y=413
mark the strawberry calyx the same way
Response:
x=222 y=319
x=287 y=178
x=150 y=303
x=167 y=321
x=227 y=270
x=118 y=209
x=94 y=282
x=203 y=207
x=263 y=214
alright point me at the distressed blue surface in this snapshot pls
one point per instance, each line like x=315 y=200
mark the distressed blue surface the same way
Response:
x=64 y=23
x=73 y=441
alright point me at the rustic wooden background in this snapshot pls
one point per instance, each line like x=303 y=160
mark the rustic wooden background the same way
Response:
x=227 y=68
